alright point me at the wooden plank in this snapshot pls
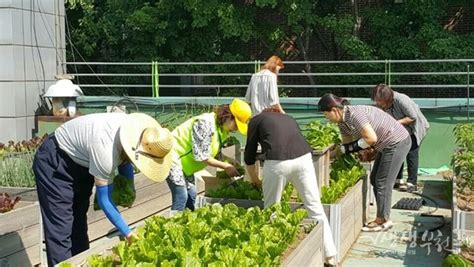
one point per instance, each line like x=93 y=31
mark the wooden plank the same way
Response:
x=143 y=195
x=467 y=220
x=18 y=241
x=9 y=222
x=347 y=204
x=101 y=227
x=26 y=193
x=346 y=238
x=310 y=251
x=141 y=181
x=28 y=257
x=327 y=170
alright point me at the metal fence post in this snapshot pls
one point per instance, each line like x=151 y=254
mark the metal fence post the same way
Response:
x=389 y=72
x=468 y=94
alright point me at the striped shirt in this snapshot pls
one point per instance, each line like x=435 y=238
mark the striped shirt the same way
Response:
x=262 y=91
x=388 y=130
x=402 y=107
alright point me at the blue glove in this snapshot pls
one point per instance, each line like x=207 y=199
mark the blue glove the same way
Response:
x=105 y=202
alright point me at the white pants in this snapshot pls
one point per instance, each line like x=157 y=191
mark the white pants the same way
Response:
x=300 y=172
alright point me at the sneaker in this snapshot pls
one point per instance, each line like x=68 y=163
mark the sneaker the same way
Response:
x=402 y=186
x=411 y=187
x=330 y=262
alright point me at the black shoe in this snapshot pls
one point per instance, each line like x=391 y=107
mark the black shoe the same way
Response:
x=396 y=185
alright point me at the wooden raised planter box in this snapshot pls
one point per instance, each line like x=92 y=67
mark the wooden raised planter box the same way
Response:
x=309 y=252
x=322 y=163
x=346 y=216
x=462 y=223
x=20 y=235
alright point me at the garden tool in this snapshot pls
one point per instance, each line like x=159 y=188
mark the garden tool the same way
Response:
x=234 y=180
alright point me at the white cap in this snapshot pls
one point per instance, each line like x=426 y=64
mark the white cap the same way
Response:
x=64 y=88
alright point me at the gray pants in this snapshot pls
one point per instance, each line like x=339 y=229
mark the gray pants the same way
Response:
x=386 y=167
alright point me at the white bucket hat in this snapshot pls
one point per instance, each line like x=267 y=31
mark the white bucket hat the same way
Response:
x=64 y=88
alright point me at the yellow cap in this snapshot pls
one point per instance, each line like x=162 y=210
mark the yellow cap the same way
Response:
x=242 y=113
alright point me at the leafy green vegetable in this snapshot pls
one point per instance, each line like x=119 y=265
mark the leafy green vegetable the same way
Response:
x=240 y=190
x=65 y=264
x=211 y=236
x=289 y=194
x=223 y=174
x=346 y=171
x=463 y=160
x=454 y=260
x=123 y=193
x=464 y=135
x=320 y=136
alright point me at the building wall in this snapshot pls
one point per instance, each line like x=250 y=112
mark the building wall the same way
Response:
x=32 y=47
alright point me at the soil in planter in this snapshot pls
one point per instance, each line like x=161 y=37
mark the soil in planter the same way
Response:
x=301 y=236
x=468 y=253
x=8 y=203
x=466 y=199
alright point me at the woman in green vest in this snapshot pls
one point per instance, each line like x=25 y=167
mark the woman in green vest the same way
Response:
x=197 y=142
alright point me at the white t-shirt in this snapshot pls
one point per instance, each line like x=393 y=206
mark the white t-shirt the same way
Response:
x=262 y=91
x=93 y=141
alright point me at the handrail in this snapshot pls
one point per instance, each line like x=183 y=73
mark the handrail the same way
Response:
x=285 y=62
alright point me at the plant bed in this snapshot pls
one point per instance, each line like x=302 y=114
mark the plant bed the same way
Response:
x=20 y=235
x=211 y=235
x=463 y=188
x=151 y=198
x=346 y=215
x=322 y=138
x=462 y=220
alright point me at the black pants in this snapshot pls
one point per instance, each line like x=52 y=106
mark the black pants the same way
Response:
x=412 y=162
x=64 y=189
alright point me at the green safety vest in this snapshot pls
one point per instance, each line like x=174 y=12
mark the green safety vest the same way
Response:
x=184 y=147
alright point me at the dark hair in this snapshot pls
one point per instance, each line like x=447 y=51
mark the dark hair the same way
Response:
x=223 y=113
x=329 y=101
x=382 y=91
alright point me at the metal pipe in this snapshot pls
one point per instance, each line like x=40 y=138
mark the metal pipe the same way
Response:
x=468 y=95
x=280 y=86
x=280 y=74
x=285 y=62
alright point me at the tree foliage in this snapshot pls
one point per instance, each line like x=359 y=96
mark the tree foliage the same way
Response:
x=234 y=30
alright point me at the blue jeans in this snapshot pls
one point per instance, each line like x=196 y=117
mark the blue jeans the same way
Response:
x=182 y=196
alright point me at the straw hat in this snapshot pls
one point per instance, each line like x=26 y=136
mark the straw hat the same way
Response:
x=242 y=113
x=147 y=145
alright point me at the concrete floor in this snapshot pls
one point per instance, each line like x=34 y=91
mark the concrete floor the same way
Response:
x=400 y=246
